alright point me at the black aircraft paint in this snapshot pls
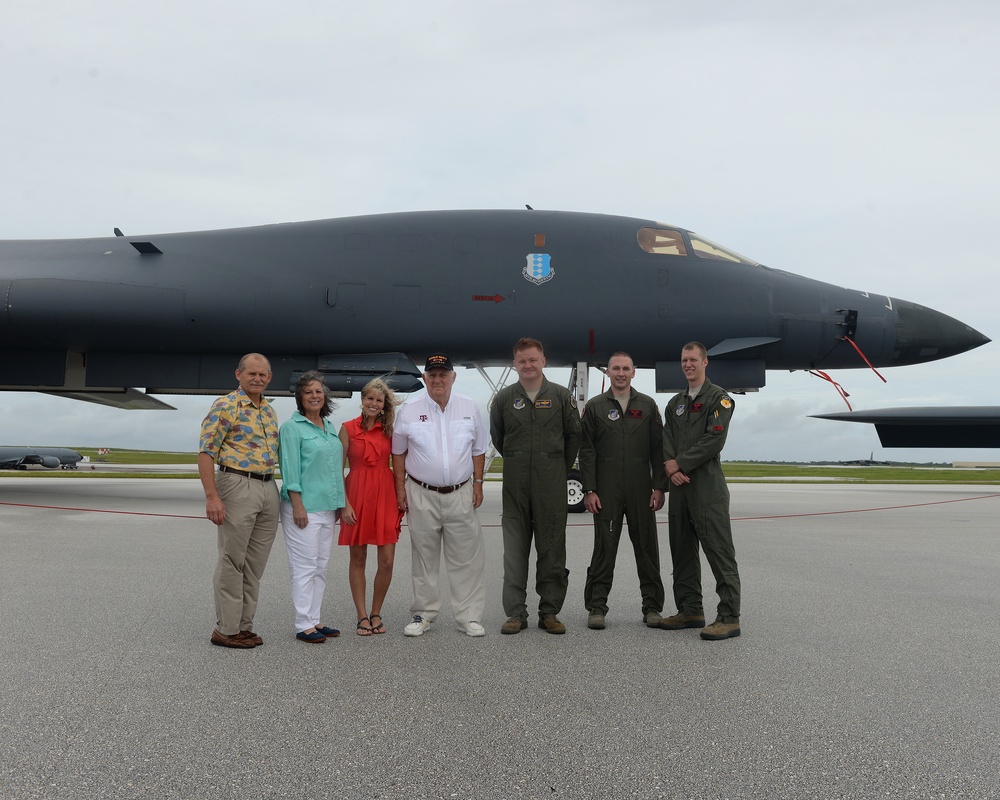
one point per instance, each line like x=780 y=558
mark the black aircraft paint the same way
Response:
x=363 y=296
x=930 y=426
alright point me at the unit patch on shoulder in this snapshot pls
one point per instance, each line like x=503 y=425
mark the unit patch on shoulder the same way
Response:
x=518 y=403
x=634 y=413
x=613 y=414
x=543 y=404
x=725 y=402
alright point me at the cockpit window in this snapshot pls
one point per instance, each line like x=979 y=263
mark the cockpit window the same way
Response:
x=662 y=241
x=706 y=249
x=670 y=242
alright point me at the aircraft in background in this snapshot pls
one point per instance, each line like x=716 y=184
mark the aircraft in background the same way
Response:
x=930 y=426
x=51 y=457
x=866 y=462
x=372 y=295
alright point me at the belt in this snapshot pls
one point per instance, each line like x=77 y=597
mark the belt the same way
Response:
x=245 y=474
x=440 y=489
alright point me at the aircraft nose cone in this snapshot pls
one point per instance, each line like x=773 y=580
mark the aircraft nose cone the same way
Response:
x=923 y=334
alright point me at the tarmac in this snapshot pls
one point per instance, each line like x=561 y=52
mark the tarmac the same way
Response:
x=869 y=663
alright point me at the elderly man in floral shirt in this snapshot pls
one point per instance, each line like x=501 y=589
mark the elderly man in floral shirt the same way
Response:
x=240 y=435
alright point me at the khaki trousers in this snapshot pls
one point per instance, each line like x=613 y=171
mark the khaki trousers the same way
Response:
x=245 y=540
x=446 y=522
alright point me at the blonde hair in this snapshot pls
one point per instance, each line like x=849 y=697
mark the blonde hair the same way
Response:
x=388 y=415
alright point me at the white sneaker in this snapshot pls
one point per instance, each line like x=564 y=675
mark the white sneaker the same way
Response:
x=417 y=627
x=473 y=629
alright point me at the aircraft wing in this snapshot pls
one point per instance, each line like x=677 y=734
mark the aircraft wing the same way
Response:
x=117 y=398
x=930 y=426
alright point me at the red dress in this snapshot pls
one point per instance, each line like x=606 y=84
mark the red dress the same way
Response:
x=371 y=487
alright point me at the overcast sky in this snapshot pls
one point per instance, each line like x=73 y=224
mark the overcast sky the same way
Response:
x=852 y=142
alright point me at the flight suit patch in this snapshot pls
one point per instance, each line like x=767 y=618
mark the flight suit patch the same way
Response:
x=543 y=404
x=680 y=410
x=697 y=406
x=634 y=413
x=725 y=402
x=613 y=414
x=518 y=403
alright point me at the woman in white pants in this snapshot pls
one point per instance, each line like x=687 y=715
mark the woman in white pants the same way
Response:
x=312 y=491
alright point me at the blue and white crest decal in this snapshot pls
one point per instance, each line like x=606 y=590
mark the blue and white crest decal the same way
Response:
x=680 y=410
x=539 y=268
x=518 y=403
x=613 y=414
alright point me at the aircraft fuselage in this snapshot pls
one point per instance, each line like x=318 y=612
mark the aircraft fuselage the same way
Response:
x=171 y=312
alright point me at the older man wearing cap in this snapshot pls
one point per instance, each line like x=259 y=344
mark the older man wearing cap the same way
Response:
x=439 y=442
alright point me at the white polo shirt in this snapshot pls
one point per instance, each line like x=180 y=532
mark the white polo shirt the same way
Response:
x=439 y=445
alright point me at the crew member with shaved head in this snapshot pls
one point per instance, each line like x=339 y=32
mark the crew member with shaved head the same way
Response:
x=621 y=464
x=240 y=435
x=695 y=425
x=536 y=428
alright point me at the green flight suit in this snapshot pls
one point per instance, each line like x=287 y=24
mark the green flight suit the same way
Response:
x=538 y=441
x=621 y=458
x=694 y=433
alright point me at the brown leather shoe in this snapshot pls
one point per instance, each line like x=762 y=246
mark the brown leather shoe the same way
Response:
x=250 y=636
x=681 y=620
x=222 y=640
x=550 y=624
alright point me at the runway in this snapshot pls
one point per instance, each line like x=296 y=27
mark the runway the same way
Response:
x=869 y=655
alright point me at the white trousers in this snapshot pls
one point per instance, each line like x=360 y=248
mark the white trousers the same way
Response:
x=446 y=521
x=308 y=555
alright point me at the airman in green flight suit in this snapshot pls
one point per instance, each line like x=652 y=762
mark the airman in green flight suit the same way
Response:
x=536 y=428
x=695 y=425
x=621 y=463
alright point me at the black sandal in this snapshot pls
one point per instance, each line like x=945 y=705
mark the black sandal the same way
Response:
x=362 y=630
x=380 y=628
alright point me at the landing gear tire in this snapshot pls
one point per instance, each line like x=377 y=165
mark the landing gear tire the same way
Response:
x=574 y=492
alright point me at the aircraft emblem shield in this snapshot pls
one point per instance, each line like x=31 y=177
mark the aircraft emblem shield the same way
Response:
x=539 y=268
x=518 y=403
x=613 y=414
x=680 y=410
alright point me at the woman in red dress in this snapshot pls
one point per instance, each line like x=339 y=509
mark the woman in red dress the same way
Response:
x=371 y=493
